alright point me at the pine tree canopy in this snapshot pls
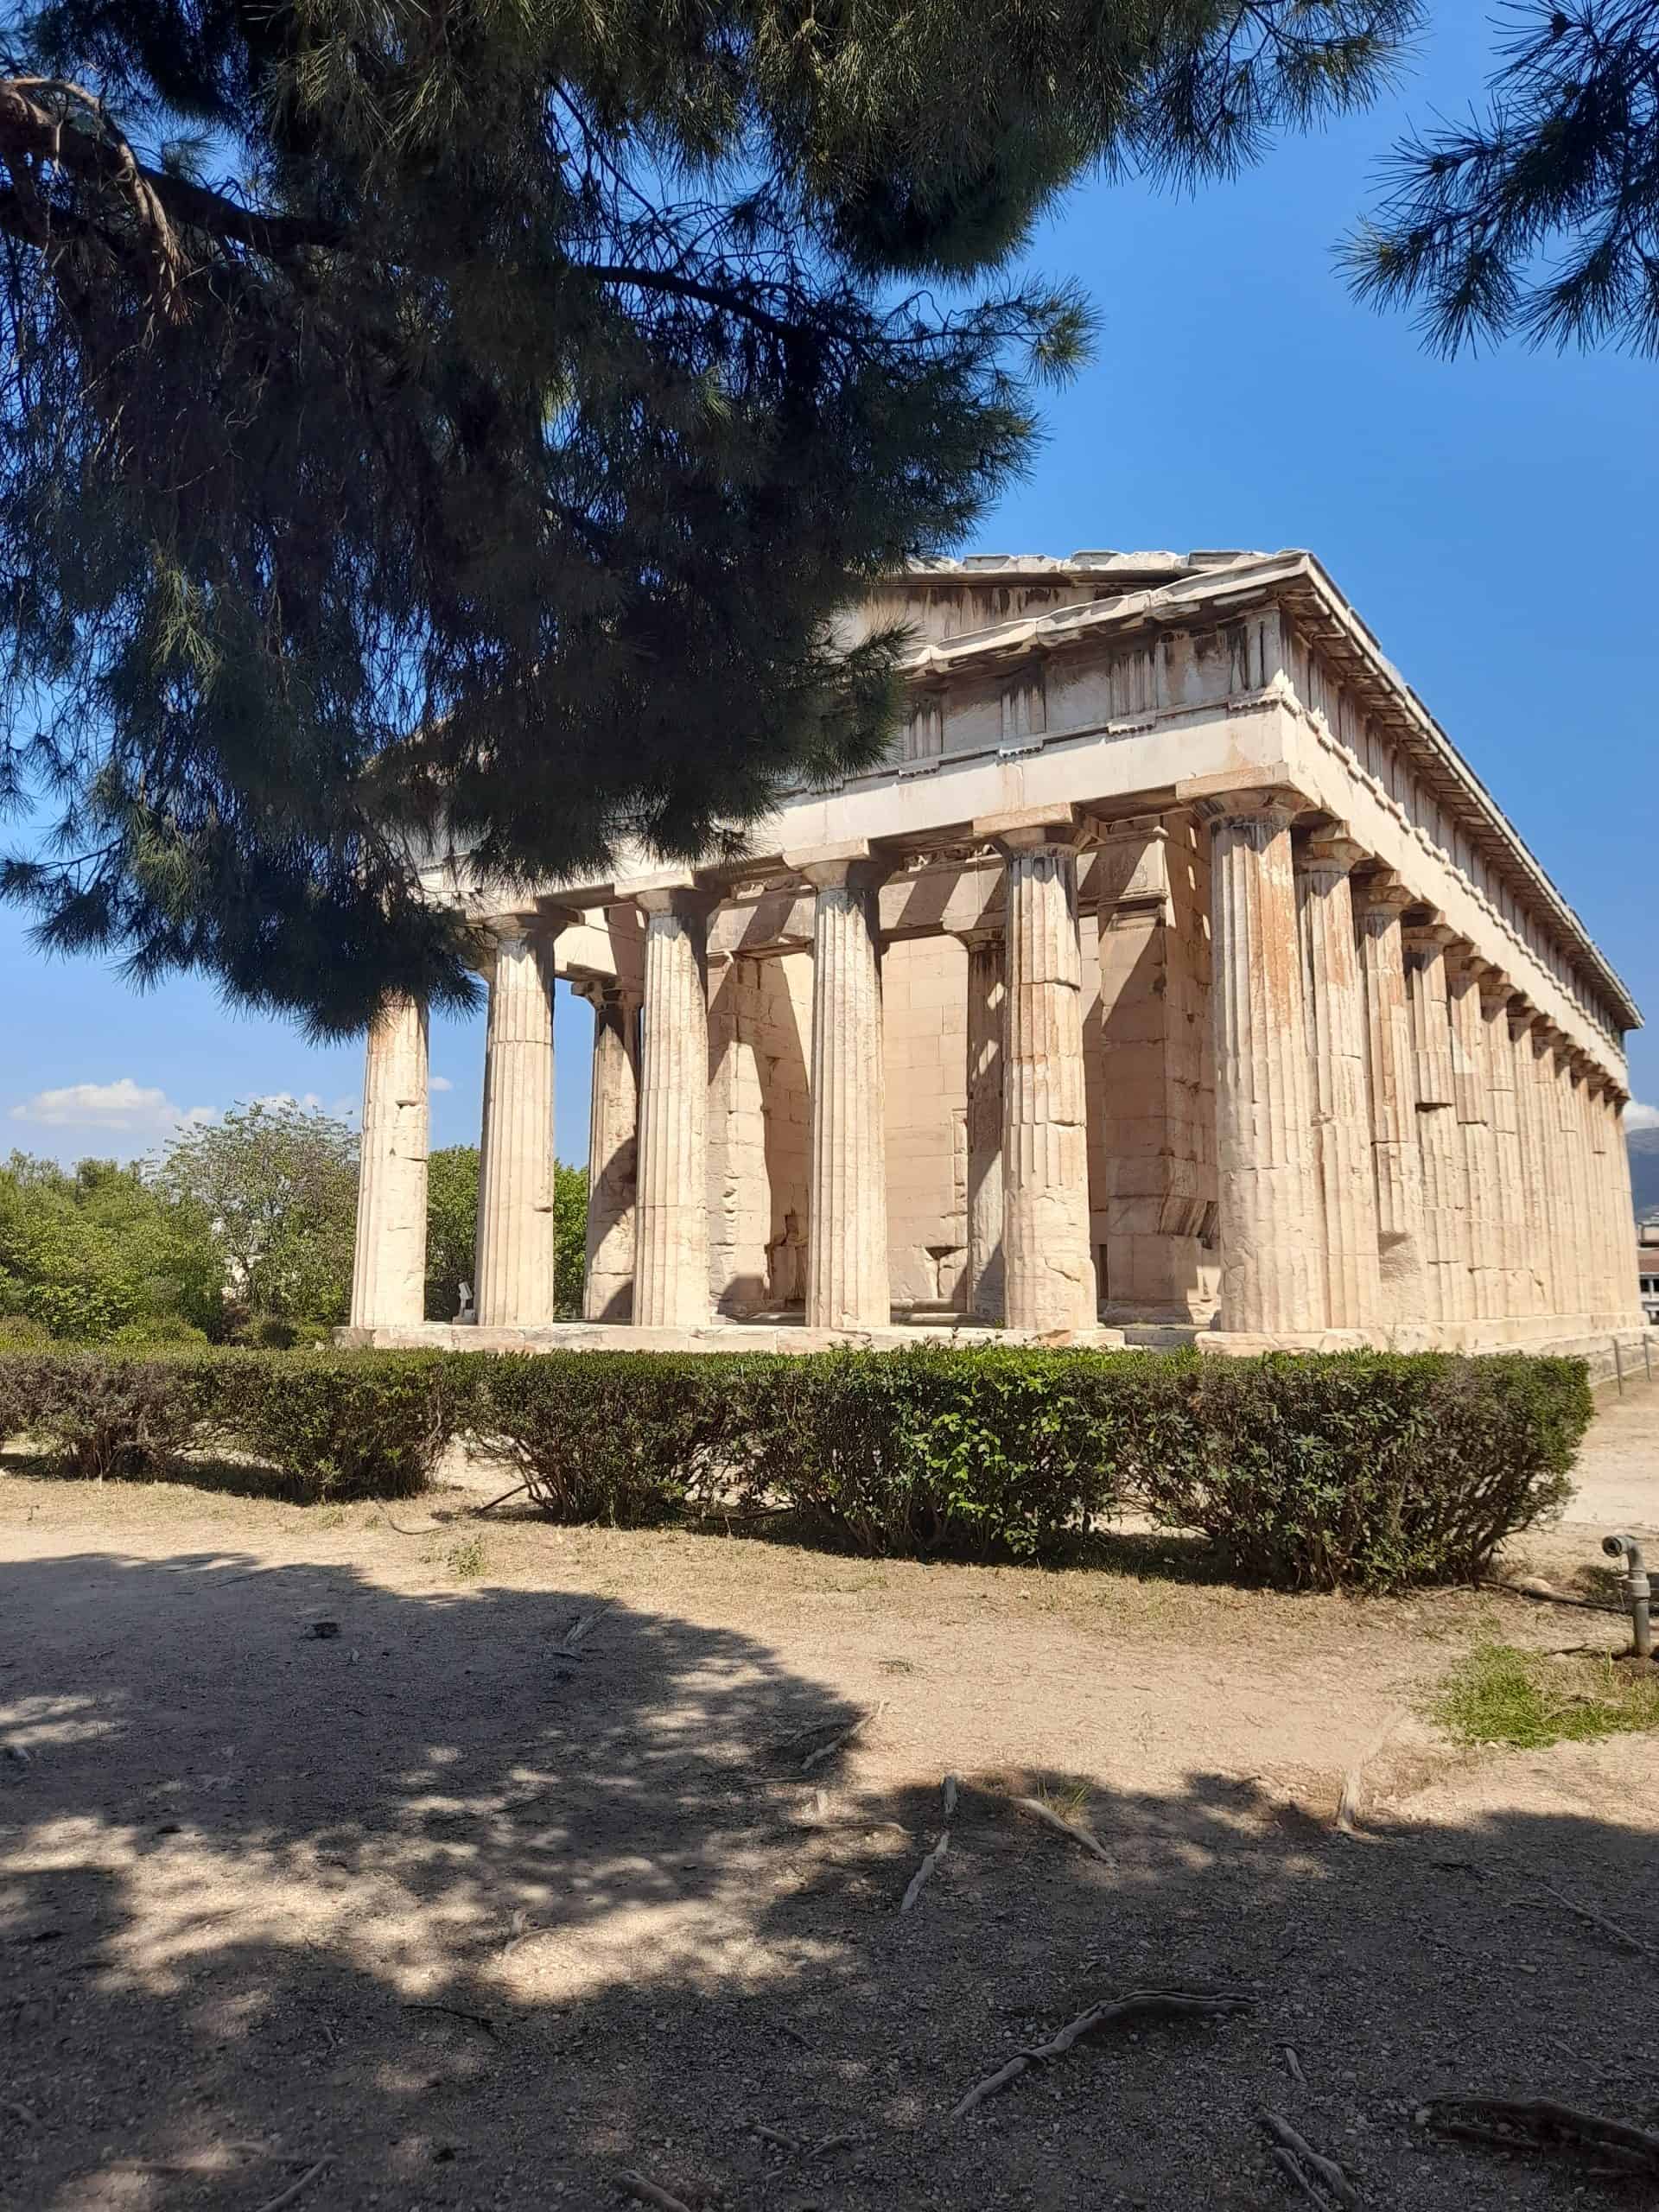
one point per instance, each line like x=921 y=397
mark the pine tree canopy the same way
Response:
x=474 y=412
x=1541 y=219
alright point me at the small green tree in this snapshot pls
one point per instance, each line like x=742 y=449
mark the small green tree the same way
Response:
x=95 y=1250
x=278 y=1183
x=451 y=1227
x=452 y=1231
x=570 y=1239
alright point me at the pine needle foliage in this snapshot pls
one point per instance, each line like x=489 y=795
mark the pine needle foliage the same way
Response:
x=1540 y=219
x=460 y=422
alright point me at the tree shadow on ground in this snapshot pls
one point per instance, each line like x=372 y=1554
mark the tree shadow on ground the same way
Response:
x=483 y=1922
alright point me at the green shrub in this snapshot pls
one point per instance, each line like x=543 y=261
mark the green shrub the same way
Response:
x=99 y=1415
x=1370 y=1469
x=156 y=1329
x=932 y=1450
x=341 y=1425
x=624 y=1438
x=1363 y=1470
x=19 y=1333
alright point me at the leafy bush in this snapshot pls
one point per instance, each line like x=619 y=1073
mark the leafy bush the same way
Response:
x=1370 y=1469
x=1357 y=1469
x=341 y=1425
x=152 y=1331
x=623 y=1436
x=933 y=1450
x=85 y=1251
x=102 y=1416
x=19 y=1333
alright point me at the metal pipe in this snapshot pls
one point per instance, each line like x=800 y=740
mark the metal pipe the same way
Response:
x=1637 y=1591
x=1618 y=1366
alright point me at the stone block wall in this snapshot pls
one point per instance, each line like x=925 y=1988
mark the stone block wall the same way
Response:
x=759 y=1028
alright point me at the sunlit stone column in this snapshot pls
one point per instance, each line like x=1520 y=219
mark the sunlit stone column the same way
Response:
x=1604 y=1297
x=987 y=1023
x=847 y=1222
x=612 y=1151
x=1584 y=1238
x=1048 y=1270
x=1440 y=1141
x=1381 y=899
x=1570 y=1171
x=1506 y=1227
x=1272 y=1256
x=389 y=1258
x=1551 y=1205
x=671 y=1287
x=1464 y=970
x=515 y=1173
x=1342 y=1115
x=1628 y=1297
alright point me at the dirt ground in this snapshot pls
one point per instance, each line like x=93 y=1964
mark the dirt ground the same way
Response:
x=482 y=1924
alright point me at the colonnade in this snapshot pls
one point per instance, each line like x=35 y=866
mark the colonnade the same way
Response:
x=1404 y=1143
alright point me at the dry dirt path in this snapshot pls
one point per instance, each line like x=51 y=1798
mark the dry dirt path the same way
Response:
x=240 y=1858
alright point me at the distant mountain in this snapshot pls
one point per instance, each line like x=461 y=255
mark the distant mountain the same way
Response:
x=1644 y=1173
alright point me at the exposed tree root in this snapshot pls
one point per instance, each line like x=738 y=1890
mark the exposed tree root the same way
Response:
x=1320 y=2179
x=1608 y=2146
x=1138 y=2004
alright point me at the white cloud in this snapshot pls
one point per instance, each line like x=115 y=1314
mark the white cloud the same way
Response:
x=311 y=1102
x=1638 y=1116
x=130 y=1108
x=439 y=1082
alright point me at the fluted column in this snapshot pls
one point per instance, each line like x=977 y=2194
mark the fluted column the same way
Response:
x=1628 y=1295
x=1506 y=1228
x=671 y=1287
x=515 y=1173
x=1440 y=1141
x=987 y=1024
x=612 y=1151
x=1570 y=1171
x=1381 y=898
x=1342 y=1115
x=1551 y=1199
x=389 y=1258
x=847 y=1220
x=1464 y=970
x=1602 y=1299
x=1048 y=1270
x=1272 y=1258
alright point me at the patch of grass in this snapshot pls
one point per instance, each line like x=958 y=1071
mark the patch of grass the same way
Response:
x=1499 y=1695
x=469 y=1560
x=1066 y=1796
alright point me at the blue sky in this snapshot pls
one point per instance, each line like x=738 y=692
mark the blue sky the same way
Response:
x=1493 y=519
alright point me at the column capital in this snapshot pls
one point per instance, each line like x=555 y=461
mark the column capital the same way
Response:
x=1497 y=989
x=1019 y=831
x=1273 y=791
x=1464 y=965
x=1383 y=891
x=607 y=990
x=978 y=935
x=853 y=867
x=682 y=896
x=1430 y=935
x=1333 y=852
x=536 y=924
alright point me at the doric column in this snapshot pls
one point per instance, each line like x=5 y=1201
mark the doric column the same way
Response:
x=1627 y=1301
x=1605 y=1299
x=1272 y=1256
x=987 y=1024
x=1550 y=1195
x=1506 y=1228
x=1584 y=1236
x=1048 y=1270
x=847 y=1219
x=515 y=1172
x=1381 y=898
x=1342 y=1115
x=1569 y=1157
x=389 y=1258
x=1444 y=1178
x=671 y=1284
x=1464 y=970
x=612 y=1151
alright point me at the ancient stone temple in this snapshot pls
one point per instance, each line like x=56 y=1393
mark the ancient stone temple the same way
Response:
x=1175 y=975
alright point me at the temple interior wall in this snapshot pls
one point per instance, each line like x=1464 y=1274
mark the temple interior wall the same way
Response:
x=925 y=1020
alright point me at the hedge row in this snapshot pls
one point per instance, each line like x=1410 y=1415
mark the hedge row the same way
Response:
x=1367 y=1469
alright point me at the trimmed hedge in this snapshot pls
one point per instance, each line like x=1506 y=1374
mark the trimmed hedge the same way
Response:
x=1323 y=1471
